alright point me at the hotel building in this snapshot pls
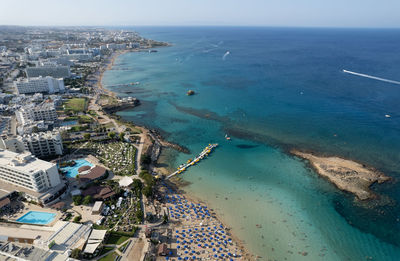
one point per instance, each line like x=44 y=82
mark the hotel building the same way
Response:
x=39 y=84
x=39 y=180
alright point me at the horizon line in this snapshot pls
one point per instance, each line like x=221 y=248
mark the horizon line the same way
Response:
x=194 y=25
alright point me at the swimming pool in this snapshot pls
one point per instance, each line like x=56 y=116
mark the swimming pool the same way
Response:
x=68 y=123
x=37 y=217
x=71 y=172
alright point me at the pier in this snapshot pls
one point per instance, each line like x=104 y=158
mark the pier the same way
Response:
x=207 y=150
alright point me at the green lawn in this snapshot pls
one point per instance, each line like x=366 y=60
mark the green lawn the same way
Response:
x=105 y=250
x=110 y=257
x=121 y=248
x=116 y=239
x=76 y=105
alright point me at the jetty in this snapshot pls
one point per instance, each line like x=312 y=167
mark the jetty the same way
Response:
x=207 y=150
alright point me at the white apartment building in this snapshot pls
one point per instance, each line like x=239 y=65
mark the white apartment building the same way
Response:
x=26 y=171
x=45 y=111
x=42 y=144
x=39 y=84
x=12 y=144
x=56 y=71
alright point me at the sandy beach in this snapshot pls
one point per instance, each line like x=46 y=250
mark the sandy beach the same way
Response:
x=197 y=230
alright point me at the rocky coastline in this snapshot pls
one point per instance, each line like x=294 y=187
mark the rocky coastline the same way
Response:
x=347 y=175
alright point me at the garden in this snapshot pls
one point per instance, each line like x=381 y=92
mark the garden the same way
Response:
x=118 y=156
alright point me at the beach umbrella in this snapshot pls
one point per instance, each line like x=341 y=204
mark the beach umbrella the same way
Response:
x=178 y=247
x=194 y=257
x=215 y=256
x=193 y=251
x=179 y=258
x=167 y=258
x=214 y=249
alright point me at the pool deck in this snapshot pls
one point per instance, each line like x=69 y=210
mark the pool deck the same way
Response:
x=32 y=207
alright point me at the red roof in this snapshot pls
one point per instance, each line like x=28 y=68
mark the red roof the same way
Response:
x=4 y=202
x=83 y=168
x=93 y=174
x=98 y=192
x=58 y=205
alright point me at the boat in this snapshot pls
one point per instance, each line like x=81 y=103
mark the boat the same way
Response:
x=190 y=92
x=227 y=137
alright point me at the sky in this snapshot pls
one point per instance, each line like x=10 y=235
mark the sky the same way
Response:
x=292 y=13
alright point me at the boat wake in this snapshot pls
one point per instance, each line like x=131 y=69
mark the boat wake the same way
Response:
x=371 y=77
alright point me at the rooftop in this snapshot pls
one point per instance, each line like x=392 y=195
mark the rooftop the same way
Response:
x=93 y=174
x=95 y=239
x=23 y=162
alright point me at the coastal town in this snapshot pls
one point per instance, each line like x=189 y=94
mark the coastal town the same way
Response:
x=76 y=181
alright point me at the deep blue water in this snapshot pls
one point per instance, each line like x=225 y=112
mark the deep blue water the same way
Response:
x=277 y=89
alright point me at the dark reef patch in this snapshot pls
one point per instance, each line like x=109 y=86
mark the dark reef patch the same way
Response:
x=246 y=146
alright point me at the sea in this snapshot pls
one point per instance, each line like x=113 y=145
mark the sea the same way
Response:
x=272 y=90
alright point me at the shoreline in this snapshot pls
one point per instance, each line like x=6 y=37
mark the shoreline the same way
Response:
x=179 y=187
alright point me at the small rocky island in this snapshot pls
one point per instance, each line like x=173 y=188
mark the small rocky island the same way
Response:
x=347 y=175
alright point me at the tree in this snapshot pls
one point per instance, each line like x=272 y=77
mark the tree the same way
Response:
x=121 y=136
x=137 y=184
x=75 y=253
x=111 y=135
x=77 y=219
x=148 y=191
x=146 y=159
x=139 y=216
x=86 y=136
x=77 y=200
x=87 y=200
x=165 y=218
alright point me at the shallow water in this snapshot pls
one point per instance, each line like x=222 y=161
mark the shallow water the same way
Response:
x=277 y=89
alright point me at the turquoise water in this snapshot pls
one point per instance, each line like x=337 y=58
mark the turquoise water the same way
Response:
x=37 y=217
x=68 y=123
x=278 y=89
x=71 y=172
